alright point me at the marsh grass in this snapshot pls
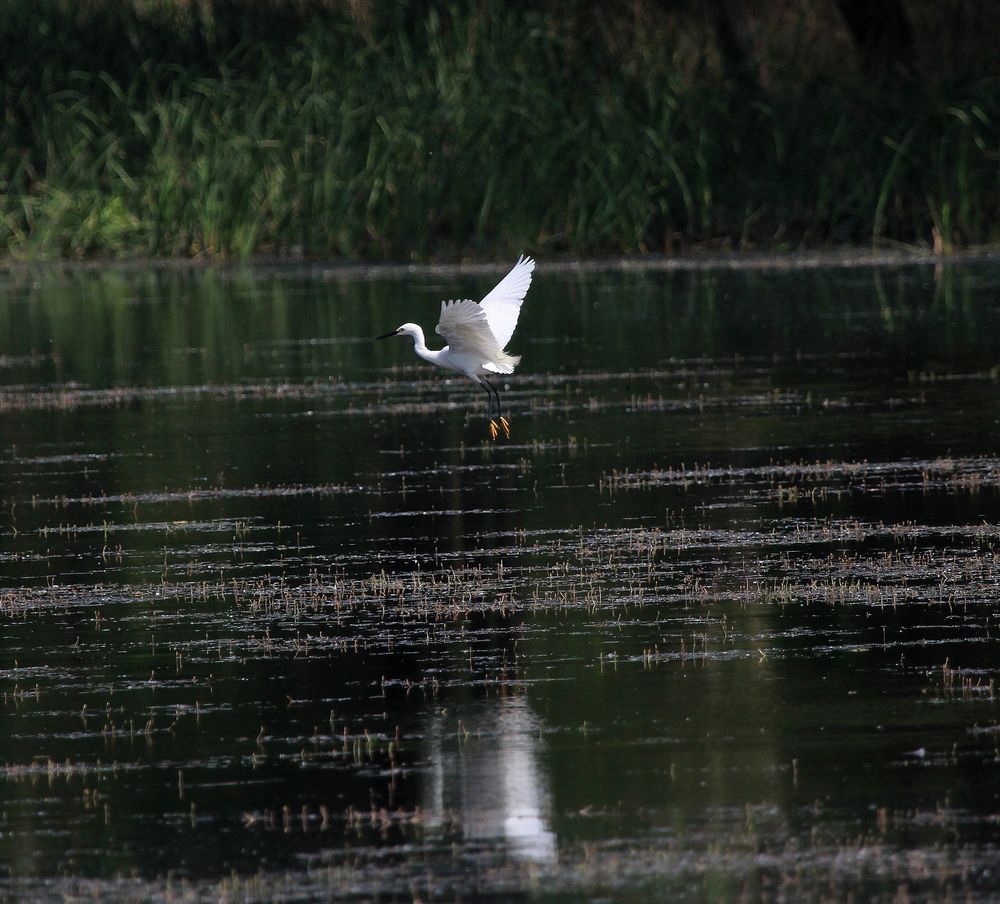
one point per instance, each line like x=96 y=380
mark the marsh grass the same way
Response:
x=448 y=132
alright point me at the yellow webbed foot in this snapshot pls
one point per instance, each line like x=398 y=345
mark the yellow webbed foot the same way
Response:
x=506 y=426
x=494 y=432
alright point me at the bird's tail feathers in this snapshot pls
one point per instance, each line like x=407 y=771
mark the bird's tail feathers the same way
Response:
x=504 y=363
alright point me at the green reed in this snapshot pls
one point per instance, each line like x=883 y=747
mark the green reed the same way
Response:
x=465 y=133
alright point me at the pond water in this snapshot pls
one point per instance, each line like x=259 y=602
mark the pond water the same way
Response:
x=718 y=622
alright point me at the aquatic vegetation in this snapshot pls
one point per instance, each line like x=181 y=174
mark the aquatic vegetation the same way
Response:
x=820 y=480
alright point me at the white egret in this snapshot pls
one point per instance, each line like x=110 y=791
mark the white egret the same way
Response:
x=477 y=335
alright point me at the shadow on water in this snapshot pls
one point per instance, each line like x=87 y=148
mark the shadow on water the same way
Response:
x=719 y=621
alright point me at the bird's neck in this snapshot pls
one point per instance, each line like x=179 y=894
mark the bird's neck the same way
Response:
x=420 y=347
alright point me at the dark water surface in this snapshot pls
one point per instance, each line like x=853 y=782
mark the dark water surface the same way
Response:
x=719 y=622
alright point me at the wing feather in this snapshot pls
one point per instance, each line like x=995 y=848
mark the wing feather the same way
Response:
x=464 y=326
x=503 y=305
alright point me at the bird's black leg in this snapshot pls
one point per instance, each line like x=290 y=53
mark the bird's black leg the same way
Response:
x=504 y=423
x=494 y=431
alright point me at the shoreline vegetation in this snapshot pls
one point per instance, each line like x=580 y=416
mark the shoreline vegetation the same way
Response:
x=321 y=130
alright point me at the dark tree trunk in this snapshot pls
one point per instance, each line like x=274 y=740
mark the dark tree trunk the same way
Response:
x=732 y=36
x=882 y=34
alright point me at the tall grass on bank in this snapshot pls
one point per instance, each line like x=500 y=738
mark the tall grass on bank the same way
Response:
x=475 y=133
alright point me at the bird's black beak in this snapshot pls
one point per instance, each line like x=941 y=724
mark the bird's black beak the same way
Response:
x=387 y=335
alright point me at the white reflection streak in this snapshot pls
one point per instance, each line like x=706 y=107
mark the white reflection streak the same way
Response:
x=491 y=782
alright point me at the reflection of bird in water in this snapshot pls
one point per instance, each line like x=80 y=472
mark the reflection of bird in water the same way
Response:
x=491 y=782
x=477 y=335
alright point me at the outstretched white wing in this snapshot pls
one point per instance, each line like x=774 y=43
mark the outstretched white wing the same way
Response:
x=463 y=324
x=503 y=304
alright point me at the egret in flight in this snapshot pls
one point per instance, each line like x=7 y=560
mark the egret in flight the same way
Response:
x=477 y=335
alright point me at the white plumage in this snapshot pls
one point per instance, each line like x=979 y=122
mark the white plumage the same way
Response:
x=477 y=335
x=469 y=333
